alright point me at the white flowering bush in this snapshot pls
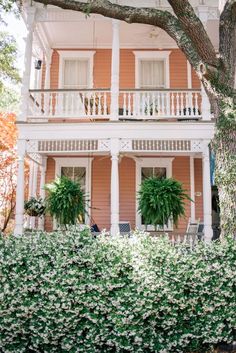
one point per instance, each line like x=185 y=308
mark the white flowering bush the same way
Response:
x=70 y=292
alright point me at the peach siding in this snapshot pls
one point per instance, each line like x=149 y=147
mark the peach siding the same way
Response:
x=101 y=178
x=127 y=170
x=181 y=172
x=102 y=69
x=100 y=189
x=198 y=188
x=50 y=176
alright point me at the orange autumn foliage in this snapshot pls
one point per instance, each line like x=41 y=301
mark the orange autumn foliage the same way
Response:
x=8 y=169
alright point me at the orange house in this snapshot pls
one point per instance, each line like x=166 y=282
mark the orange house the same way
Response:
x=112 y=104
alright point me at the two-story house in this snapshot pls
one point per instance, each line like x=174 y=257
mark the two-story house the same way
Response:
x=112 y=103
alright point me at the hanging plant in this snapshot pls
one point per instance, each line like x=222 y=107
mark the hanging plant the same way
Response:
x=35 y=207
x=161 y=199
x=65 y=201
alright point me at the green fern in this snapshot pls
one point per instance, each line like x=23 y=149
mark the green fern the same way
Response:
x=160 y=200
x=65 y=200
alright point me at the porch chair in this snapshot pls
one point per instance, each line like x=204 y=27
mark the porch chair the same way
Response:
x=194 y=232
x=124 y=228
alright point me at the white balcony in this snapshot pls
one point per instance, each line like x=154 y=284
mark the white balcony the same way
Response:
x=133 y=104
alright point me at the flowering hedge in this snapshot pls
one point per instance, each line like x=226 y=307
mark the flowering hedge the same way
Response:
x=73 y=293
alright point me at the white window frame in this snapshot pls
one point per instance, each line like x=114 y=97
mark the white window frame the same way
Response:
x=151 y=163
x=76 y=54
x=152 y=55
x=78 y=162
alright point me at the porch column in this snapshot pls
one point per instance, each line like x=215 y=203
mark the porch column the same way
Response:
x=31 y=171
x=48 y=60
x=43 y=169
x=20 y=188
x=34 y=190
x=192 y=189
x=114 y=187
x=208 y=232
x=27 y=64
x=115 y=69
x=206 y=108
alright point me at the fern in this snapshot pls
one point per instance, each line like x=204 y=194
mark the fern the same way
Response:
x=161 y=200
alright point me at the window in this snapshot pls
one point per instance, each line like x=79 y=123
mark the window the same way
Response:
x=152 y=74
x=75 y=174
x=76 y=74
x=146 y=168
x=77 y=169
x=76 y=69
x=152 y=69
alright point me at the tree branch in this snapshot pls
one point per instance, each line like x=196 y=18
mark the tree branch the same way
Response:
x=150 y=16
x=194 y=28
x=227 y=47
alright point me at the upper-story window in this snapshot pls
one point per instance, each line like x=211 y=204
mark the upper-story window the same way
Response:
x=152 y=69
x=76 y=69
x=152 y=74
x=76 y=73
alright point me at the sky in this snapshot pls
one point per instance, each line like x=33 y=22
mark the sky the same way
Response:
x=16 y=27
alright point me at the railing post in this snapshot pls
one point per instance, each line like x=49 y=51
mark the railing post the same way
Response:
x=27 y=64
x=115 y=70
x=20 y=189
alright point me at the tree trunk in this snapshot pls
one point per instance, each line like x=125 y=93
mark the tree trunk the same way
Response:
x=224 y=146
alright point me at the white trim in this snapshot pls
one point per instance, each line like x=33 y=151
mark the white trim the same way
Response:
x=72 y=54
x=152 y=163
x=192 y=187
x=77 y=162
x=152 y=55
x=189 y=74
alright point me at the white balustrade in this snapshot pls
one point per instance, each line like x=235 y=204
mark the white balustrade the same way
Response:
x=133 y=104
x=69 y=104
x=181 y=104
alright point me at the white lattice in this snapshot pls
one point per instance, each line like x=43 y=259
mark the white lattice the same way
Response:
x=126 y=145
x=104 y=145
x=32 y=146
x=197 y=146
x=162 y=145
x=35 y=157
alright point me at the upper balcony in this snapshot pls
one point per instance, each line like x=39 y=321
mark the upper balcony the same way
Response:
x=148 y=76
x=133 y=104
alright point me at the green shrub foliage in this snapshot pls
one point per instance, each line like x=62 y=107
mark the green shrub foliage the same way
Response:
x=65 y=200
x=69 y=292
x=161 y=199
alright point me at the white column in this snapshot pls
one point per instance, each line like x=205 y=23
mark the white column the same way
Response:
x=114 y=187
x=208 y=233
x=192 y=189
x=27 y=64
x=189 y=74
x=48 y=60
x=43 y=169
x=206 y=108
x=115 y=70
x=30 y=185
x=20 y=188
x=34 y=191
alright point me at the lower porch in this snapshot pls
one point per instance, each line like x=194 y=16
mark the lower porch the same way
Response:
x=112 y=178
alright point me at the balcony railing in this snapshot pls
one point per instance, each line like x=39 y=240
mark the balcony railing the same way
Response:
x=133 y=104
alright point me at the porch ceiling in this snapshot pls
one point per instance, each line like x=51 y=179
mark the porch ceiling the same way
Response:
x=96 y=32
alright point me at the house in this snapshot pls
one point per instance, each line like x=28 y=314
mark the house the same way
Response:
x=112 y=103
